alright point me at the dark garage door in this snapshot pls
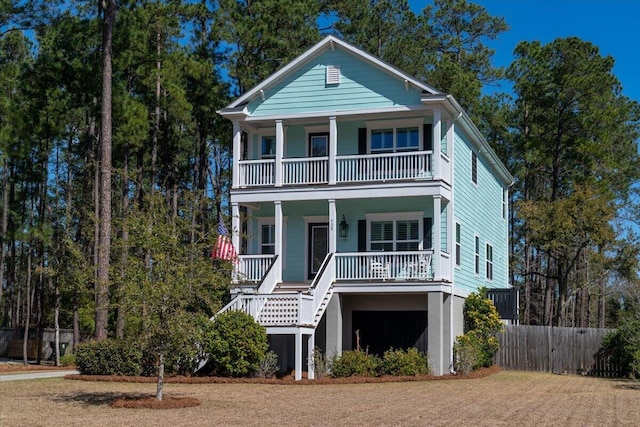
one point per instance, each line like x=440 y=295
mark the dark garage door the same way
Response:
x=381 y=330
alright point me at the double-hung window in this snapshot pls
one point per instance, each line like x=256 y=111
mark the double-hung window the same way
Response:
x=477 y=255
x=395 y=235
x=458 y=245
x=489 y=256
x=267 y=238
x=268 y=147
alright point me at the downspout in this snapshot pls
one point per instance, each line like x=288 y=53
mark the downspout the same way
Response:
x=452 y=338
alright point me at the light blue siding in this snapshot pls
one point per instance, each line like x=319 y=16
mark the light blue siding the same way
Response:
x=478 y=209
x=362 y=86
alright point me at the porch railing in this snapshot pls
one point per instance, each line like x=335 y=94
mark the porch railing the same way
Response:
x=349 y=169
x=255 y=173
x=382 y=167
x=382 y=266
x=252 y=268
x=305 y=171
x=275 y=309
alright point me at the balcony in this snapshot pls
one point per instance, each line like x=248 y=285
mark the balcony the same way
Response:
x=400 y=266
x=347 y=169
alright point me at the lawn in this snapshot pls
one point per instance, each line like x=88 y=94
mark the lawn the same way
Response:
x=505 y=398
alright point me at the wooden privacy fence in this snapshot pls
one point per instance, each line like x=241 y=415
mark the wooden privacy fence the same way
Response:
x=555 y=349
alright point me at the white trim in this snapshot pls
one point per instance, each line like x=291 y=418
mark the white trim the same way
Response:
x=343 y=192
x=477 y=254
x=402 y=123
x=316 y=129
x=486 y=259
x=340 y=113
x=457 y=265
x=271 y=220
x=309 y=219
x=385 y=216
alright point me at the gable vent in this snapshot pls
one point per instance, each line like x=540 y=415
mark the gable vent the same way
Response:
x=333 y=75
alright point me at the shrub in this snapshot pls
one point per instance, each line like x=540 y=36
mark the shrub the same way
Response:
x=466 y=353
x=268 y=365
x=356 y=363
x=68 y=360
x=405 y=362
x=109 y=357
x=235 y=344
x=481 y=326
x=623 y=345
x=321 y=365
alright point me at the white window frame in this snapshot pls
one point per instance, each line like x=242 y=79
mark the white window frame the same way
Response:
x=458 y=244
x=310 y=130
x=488 y=261
x=474 y=164
x=394 y=217
x=271 y=220
x=271 y=132
x=476 y=255
x=394 y=125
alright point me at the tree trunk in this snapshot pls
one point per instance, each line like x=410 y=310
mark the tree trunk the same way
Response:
x=56 y=322
x=3 y=231
x=25 y=337
x=104 y=245
x=160 y=376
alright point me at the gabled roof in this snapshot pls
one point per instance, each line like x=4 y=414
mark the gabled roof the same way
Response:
x=329 y=42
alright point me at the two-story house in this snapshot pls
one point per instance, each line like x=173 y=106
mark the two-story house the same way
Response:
x=365 y=207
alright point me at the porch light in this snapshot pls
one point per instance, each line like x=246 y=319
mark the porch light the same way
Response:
x=344 y=228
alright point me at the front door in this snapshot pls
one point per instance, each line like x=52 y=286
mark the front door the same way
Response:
x=318 y=247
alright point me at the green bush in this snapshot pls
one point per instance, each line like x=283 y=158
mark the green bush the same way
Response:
x=109 y=357
x=68 y=360
x=481 y=326
x=356 y=363
x=234 y=344
x=623 y=345
x=405 y=362
x=466 y=353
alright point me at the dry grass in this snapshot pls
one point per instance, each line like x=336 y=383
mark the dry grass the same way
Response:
x=506 y=398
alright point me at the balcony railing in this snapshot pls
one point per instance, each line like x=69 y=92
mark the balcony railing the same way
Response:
x=275 y=309
x=384 y=167
x=348 y=169
x=252 y=268
x=383 y=266
x=305 y=171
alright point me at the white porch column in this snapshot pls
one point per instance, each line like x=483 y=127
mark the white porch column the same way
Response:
x=237 y=147
x=450 y=133
x=435 y=332
x=298 y=356
x=235 y=236
x=310 y=346
x=333 y=227
x=437 y=138
x=437 y=236
x=333 y=314
x=278 y=246
x=451 y=234
x=279 y=152
x=333 y=150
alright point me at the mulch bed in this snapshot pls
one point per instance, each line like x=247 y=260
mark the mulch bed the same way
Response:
x=286 y=380
x=19 y=367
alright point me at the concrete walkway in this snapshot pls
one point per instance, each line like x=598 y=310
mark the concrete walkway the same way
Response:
x=35 y=375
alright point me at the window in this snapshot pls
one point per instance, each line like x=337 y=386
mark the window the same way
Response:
x=477 y=255
x=405 y=137
x=489 y=256
x=268 y=149
x=395 y=235
x=268 y=239
x=318 y=144
x=458 y=245
x=474 y=168
x=504 y=203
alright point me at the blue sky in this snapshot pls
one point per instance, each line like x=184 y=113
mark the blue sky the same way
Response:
x=612 y=25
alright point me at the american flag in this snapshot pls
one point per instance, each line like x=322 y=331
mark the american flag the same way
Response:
x=224 y=248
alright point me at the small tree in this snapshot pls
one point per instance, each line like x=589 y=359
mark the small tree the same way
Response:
x=171 y=283
x=482 y=324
